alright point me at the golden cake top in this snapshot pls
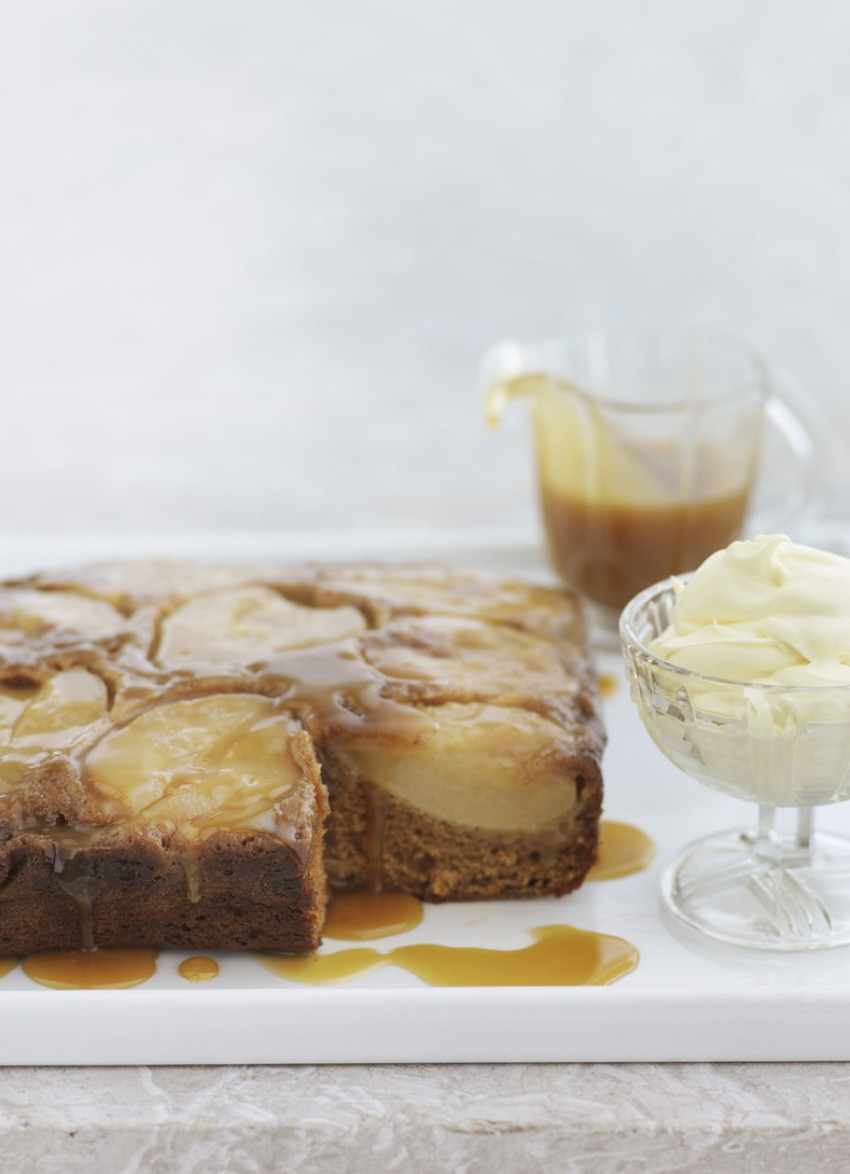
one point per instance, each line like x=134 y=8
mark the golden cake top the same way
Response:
x=186 y=698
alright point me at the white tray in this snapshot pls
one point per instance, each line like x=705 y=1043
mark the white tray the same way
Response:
x=684 y=1002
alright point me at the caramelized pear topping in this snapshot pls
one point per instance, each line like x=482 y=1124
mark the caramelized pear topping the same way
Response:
x=224 y=761
x=39 y=720
x=25 y=613
x=249 y=624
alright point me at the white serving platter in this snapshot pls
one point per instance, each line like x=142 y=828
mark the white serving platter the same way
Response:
x=686 y=1001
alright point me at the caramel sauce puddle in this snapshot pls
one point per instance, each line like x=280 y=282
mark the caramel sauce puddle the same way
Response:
x=361 y=915
x=91 y=969
x=560 y=956
x=198 y=969
x=623 y=850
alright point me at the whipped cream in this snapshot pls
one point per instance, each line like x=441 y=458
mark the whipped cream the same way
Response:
x=766 y=626
x=766 y=611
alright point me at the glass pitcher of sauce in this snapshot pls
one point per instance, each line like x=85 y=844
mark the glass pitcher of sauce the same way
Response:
x=647 y=450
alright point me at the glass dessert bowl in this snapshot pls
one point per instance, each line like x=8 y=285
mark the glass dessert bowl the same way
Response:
x=783 y=747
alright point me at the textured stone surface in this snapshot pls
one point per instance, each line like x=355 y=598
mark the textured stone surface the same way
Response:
x=596 y=1119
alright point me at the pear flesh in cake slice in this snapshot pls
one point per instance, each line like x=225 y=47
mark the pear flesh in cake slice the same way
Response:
x=483 y=766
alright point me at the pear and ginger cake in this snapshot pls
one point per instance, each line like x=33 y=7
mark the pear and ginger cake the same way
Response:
x=196 y=823
x=192 y=755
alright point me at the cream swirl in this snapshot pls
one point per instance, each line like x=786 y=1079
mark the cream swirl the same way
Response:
x=764 y=611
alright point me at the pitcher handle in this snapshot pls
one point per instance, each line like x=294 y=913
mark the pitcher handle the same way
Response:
x=797 y=427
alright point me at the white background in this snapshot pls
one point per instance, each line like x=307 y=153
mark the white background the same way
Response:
x=251 y=252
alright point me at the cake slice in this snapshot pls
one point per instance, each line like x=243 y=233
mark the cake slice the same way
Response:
x=494 y=789
x=195 y=823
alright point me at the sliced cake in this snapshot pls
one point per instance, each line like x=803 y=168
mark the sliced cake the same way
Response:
x=191 y=754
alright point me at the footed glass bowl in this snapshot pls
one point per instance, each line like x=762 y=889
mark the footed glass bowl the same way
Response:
x=780 y=886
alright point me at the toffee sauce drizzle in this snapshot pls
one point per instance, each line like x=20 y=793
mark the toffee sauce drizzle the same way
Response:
x=560 y=955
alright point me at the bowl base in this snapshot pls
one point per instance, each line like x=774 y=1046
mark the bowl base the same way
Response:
x=722 y=887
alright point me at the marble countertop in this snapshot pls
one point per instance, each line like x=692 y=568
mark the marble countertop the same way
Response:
x=598 y=1119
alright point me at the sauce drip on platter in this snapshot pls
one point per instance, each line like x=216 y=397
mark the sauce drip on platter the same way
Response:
x=198 y=969
x=623 y=851
x=560 y=955
x=91 y=969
